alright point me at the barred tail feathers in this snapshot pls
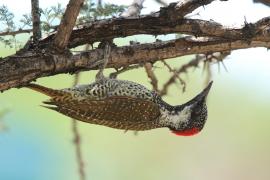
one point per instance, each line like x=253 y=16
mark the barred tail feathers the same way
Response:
x=44 y=90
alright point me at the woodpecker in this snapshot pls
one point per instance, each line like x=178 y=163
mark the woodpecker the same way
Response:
x=126 y=105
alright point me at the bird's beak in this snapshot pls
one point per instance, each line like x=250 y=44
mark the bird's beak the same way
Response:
x=205 y=92
x=202 y=95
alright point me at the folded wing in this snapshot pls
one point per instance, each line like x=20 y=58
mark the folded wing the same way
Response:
x=119 y=112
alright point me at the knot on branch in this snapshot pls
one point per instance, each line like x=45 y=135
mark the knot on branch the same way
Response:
x=166 y=11
x=249 y=30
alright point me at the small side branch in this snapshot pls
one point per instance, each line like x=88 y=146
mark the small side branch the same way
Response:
x=182 y=8
x=124 y=69
x=162 y=2
x=67 y=23
x=36 y=20
x=151 y=75
x=174 y=77
x=187 y=6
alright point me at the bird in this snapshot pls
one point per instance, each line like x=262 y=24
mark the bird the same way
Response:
x=126 y=105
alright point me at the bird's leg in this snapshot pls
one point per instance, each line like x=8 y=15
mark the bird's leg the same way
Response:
x=107 y=52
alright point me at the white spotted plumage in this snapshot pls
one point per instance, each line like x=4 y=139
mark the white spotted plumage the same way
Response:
x=125 y=105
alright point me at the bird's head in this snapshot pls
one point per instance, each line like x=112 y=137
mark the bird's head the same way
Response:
x=192 y=115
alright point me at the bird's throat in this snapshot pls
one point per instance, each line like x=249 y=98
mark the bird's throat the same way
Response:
x=188 y=132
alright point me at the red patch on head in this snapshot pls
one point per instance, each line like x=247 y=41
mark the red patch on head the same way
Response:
x=188 y=132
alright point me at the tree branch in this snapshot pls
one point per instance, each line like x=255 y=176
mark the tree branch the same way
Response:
x=67 y=23
x=36 y=20
x=265 y=2
x=16 y=71
x=21 y=31
x=77 y=141
x=28 y=64
x=159 y=23
x=162 y=2
x=108 y=29
x=151 y=75
x=163 y=22
x=185 y=7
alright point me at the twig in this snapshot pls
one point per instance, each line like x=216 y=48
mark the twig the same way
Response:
x=36 y=20
x=162 y=2
x=20 y=31
x=216 y=57
x=208 y=72
x=124 y=69
x=106 y=56
x=182 y=69
x=76 y=135
x=176 y=75
x=13 y=33
x=3 y=126
x=187 y=6
x=67 y=23
x=149 y=71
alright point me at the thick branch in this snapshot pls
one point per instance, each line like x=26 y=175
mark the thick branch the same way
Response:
x=18 y=70
x=121 y=27
x=109 y=29
x=36 y=20
x=167 y=20
x=163 y=22
x=67 y=23
x=29 y=65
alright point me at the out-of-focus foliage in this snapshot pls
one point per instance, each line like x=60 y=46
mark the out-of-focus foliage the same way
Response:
x=6 y=18
x=6 y=21
x=51 y=17
x=91 y=11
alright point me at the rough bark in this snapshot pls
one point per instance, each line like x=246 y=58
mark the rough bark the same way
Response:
x=108 y=29
x=163 y=22
x=36 y=20
x=19 y=70
x=35 y=62
x=67 y=23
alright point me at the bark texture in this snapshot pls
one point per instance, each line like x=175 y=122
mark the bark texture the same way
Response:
x=67 y=23
x=36 y=20
x=206 y=37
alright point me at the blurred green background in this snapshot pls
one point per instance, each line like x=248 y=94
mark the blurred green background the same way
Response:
x=36 y=143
